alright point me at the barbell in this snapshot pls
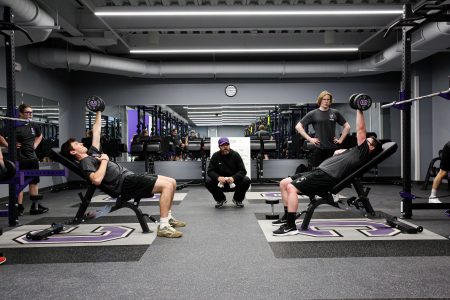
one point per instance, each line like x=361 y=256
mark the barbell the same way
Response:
x=443 y=94
x=24 y=120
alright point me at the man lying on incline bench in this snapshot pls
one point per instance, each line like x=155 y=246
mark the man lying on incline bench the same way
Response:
x=100 y=170
x=328 y=174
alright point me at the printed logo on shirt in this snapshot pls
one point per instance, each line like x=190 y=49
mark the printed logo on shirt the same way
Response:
x=331 y=117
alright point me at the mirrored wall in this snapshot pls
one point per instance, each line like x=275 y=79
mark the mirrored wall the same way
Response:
x=45 y=113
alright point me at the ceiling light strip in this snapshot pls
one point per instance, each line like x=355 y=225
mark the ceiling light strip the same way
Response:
x=241 y=50
x=153 y=13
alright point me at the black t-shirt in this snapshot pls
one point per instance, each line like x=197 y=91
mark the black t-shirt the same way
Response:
x=26 y=134
x=115 y=173
x=324 y=124
x=230 y=165
x=341 y=165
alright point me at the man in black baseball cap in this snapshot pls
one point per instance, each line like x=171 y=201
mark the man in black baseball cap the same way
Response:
x=227 y=173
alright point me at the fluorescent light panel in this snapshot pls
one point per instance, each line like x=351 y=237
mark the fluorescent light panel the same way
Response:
x=174 y=13
x=228 y=106
x=241 y=50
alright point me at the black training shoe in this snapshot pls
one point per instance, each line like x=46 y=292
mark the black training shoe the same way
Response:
x=238 y=203
x=38 y=211
x=20 y=210
x=220 y=203
x=286 y=230
x=279 y=222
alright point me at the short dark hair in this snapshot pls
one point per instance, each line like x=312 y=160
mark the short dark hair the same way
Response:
x=378 y=146
x=66 y=148
x=23 y=106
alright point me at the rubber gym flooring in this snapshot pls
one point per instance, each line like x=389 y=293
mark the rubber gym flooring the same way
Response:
x=229 y=253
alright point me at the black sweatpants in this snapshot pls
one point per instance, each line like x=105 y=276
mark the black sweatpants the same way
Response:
x=239 y=191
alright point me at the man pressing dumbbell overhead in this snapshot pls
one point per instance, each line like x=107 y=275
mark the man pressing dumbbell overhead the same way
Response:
x=100 y=170
x=323 y=120
x=227 y=173
x=325 y=176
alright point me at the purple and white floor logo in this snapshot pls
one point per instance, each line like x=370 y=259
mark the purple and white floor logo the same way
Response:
x=100 y=235
x=325 y=228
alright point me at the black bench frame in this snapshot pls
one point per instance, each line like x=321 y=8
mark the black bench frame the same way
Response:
x=121 y=201
x=362 y=200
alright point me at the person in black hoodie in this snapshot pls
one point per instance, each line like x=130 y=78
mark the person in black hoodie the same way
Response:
x=226 y=173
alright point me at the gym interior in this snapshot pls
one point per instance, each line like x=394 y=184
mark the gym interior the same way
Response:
x=221 y=69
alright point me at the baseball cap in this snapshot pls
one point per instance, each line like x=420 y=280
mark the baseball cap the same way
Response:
x=224 y=140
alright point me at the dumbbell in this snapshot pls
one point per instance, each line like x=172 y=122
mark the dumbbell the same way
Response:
x=95 y=103
x=360 y=101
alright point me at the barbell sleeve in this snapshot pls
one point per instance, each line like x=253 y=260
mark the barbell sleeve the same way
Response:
x=414 y=99
x=23 y=120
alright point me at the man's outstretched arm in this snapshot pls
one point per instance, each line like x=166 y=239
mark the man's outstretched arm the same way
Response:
x=360 y=127
x=97 y=130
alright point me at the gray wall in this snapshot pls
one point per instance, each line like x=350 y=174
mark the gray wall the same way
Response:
x=71 y=88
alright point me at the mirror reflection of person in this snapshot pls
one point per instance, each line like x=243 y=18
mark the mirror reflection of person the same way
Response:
x=323 y=120
x=28 y=137
x=178 y=145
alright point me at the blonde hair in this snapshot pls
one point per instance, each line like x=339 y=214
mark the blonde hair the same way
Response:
x=323 y=94
x=262 y=127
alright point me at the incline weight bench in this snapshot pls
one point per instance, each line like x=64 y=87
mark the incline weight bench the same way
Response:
x=361 y=202
x=121 y=200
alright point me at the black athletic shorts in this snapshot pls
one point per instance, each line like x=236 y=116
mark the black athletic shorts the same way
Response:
x=31 y=164
x=138 y=185
x=315 y=182
x=445 y=158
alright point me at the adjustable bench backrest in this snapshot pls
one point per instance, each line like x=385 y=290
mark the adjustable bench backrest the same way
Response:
x=389 y=148
x=73 y=166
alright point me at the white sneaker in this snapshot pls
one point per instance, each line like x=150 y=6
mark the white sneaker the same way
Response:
x=336 y=197
x=434 y=200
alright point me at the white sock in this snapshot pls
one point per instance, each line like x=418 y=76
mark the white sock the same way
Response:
x=433 y=193
x=170 y=214
x=163 y=222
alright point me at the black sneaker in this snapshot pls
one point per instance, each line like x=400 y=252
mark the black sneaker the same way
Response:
x=238 y=203
x=38 y=211
x=220 y=203
x=20 y=210
x=286 y=230
x=279 y=222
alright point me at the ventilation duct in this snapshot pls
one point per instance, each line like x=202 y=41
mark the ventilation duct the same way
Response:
x=435 y=36
x=28 y=13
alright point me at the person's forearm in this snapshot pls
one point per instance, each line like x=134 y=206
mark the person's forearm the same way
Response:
x=97 y=177
x=301 y=130
x=97 y=130
x=345 y=132
x=37 y=141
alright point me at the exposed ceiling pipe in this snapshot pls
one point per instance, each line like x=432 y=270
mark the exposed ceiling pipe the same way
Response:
x=28 y=13
x=426 y=41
